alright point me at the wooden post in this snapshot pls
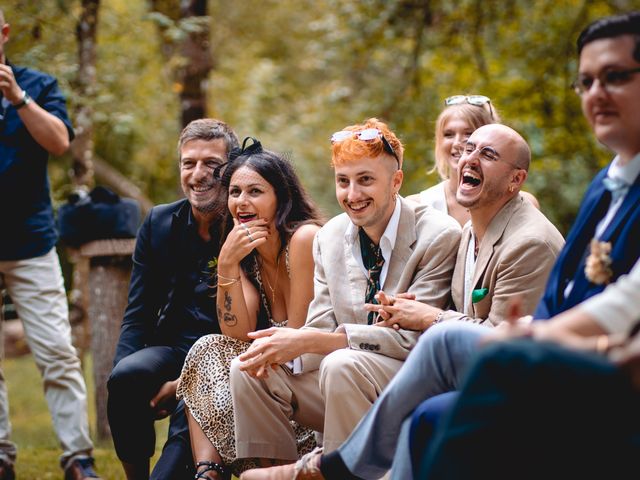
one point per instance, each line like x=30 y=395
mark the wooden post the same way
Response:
x=109 y=275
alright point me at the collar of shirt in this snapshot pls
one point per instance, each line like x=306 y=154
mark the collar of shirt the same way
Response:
x=628 y=172
x=387 y=242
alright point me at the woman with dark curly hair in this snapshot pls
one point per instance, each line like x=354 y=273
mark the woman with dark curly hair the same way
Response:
x=264 y=278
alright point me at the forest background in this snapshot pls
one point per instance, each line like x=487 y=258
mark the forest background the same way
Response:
x=291 y=72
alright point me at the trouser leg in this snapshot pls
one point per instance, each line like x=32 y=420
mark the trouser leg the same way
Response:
x=263 y=409
x=132 y=384
x=37 y=289
x=351 y=381
x=7 y=447
x=434 y=366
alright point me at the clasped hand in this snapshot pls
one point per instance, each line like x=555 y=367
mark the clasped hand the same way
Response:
x=402 y=311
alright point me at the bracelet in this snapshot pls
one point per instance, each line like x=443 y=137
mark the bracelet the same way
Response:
x=229 y=282
x=439 y=317
x=229 y=279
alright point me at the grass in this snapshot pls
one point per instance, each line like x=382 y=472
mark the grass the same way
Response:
x=38 y=450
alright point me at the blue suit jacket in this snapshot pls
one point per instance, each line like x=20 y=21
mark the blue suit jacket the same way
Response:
x=623 y=232
x=150 y=317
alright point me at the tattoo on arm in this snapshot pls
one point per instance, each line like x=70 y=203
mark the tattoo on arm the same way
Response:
x=230 y=319
x=219 y=311
x=227 y=301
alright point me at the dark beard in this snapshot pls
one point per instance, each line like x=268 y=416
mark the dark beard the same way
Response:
x=217 y=206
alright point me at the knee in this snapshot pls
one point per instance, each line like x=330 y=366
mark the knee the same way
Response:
x=127 y=375
x=340 y=364
x=236 y=376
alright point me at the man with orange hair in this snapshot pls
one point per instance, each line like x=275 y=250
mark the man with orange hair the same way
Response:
x=327 y=374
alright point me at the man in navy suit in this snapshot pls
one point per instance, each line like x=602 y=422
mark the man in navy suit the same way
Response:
x=608 y=84
x=170 y=307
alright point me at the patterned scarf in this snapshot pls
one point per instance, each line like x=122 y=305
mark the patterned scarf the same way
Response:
x=373 y=261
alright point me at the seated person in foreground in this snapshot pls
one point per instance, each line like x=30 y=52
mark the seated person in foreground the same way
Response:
x=566 y=409
x=342 y=360
x=264 y=279
x=516 y=248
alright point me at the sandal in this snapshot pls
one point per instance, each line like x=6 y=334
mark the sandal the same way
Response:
x=209 y=467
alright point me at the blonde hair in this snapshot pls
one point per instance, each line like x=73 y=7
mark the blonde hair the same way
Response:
x=476 y=116
x=352 y=149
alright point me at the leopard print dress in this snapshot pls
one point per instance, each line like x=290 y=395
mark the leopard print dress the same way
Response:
x=204 y=386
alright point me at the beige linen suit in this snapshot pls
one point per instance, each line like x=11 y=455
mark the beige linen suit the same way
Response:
x=336 y=390
x=515 y=258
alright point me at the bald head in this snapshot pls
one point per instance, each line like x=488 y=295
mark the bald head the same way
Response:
x=515 y=149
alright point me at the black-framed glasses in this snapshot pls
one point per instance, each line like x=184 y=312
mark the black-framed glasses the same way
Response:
x=608 y=80
x=366 y=135
x=476 y=100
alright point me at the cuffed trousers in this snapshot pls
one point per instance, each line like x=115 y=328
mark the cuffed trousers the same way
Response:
x=331 y=400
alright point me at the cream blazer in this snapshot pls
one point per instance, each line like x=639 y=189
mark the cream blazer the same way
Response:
x=422 y=263
x=515 y=258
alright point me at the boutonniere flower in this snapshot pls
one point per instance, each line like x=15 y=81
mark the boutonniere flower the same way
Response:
x=598 y=265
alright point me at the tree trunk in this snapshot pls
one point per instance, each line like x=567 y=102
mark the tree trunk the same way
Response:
x=193 y=73
x=82 y=146
x=82 y=153
x=198 y=65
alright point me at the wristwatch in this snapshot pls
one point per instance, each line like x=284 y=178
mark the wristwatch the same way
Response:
x=26 y=99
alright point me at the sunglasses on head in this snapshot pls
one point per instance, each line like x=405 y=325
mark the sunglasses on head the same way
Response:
x=476 y=100
x=366 y=135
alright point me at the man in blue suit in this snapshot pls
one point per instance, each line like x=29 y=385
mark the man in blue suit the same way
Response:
x=170 y=307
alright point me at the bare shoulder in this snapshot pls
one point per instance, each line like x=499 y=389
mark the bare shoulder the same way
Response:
x=303 y=237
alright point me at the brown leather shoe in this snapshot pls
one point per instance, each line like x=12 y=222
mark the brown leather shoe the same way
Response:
x=80 y=468
x=6 y=469
x=307 y=468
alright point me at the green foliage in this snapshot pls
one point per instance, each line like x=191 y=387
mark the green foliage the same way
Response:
x=292 y=72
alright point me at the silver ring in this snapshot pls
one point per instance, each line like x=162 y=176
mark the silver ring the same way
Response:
x=249 y=235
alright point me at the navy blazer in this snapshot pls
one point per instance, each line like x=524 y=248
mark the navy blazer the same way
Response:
x=149 y=318
x=623 y=232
